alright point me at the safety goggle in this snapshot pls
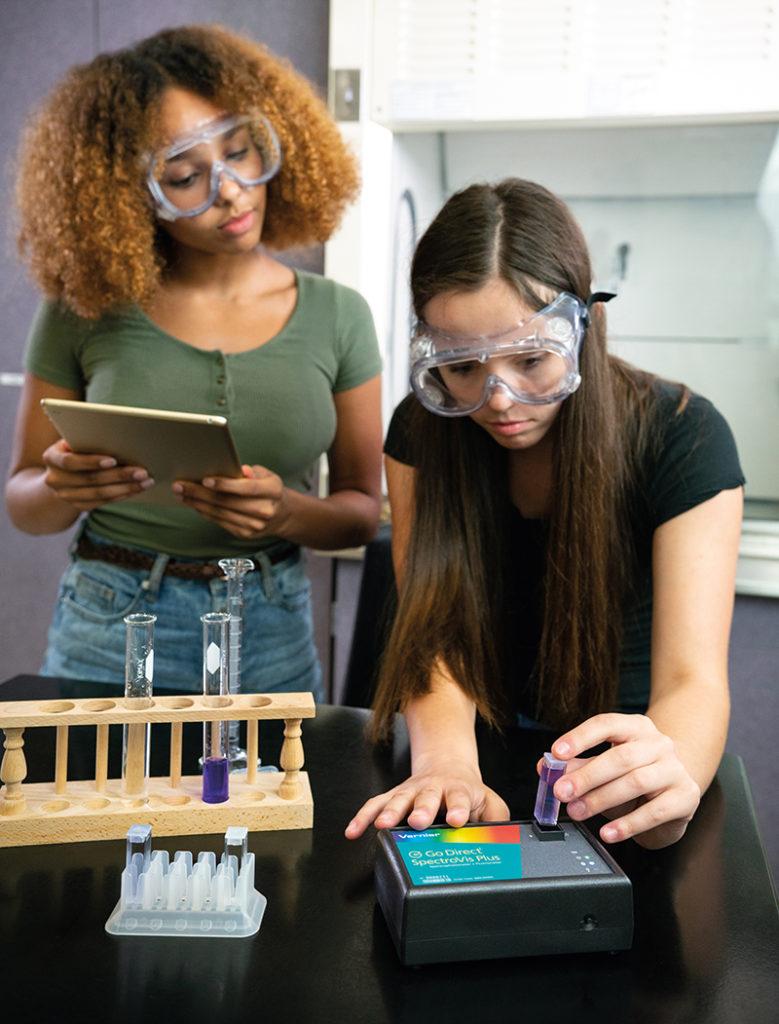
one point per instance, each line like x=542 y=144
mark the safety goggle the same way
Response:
x=184 y=178
x=536 y=362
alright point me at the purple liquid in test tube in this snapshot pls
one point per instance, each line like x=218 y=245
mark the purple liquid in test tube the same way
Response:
x=547 y=805
x=216 y=773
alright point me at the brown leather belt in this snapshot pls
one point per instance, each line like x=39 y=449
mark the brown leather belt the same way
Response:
x=129 y=558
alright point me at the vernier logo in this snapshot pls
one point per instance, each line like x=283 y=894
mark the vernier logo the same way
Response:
x=417 y=835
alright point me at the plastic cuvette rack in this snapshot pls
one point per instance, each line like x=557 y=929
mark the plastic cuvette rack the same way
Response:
x=182 y=898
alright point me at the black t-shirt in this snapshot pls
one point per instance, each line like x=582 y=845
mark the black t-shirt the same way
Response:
x=695 y=459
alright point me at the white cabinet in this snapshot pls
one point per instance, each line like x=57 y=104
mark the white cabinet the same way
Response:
x=444 y=63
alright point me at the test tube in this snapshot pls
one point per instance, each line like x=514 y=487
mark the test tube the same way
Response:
x=215 y=684
x=547 y=805
x=138 y=675
x=235 y=569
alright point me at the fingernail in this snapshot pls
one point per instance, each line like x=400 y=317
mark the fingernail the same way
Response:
x=107 y=463
x=609 y=833
x=209 y=481
x=565 y=790
x=562 y=748
x=178 y=489
x=140 y=474
x=146 y=484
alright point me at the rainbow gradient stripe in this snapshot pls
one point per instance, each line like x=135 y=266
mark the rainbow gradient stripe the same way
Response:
x=481 y=834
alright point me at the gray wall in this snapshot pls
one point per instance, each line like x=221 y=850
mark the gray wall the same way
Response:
x=40 y=40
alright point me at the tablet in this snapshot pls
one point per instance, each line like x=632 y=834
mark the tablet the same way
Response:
x=170 y=445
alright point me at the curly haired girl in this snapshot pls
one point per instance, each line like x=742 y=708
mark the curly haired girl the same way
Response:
x=153 y=184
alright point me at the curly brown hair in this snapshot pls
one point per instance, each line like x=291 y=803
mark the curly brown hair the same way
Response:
x=87 y=227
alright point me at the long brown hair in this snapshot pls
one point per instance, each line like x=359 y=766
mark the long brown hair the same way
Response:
x=450 y=599
x=86 y=226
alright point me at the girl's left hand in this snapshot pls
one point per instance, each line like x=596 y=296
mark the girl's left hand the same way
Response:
x=640 y=782
x=249 y=507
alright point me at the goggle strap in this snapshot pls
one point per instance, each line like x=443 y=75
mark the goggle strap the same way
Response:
x=593 y=298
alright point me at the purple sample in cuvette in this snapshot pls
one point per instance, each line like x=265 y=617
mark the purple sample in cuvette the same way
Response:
x=216 y=778
x=547 y=805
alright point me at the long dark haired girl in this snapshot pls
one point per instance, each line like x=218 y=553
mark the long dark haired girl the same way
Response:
x=565 y=531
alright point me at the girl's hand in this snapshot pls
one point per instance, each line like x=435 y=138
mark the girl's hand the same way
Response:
x=640 y=782
x=457 y=785
x=89 y=481
x=249 y=506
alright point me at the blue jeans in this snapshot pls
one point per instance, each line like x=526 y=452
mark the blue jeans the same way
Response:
x=87 y=635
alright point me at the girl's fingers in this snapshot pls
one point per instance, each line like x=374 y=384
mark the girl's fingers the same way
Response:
x=607 y=728
x=366 y=814
x=402 y=801
x=62 y=456
x=615 y=763
x=420 y=800
x=419 y=804
x=268 y=486
x=426 y=806
x=246 y=505
x=459 y=805
x=495 y=808
x=236 y=522
x=93 y=496
x=58 y=478
x=59 y=456
x=673 y=808
x=190 y=491
x=643 y=782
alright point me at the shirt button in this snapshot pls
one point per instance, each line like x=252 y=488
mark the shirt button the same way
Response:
x=220 y=380
x=221 y=401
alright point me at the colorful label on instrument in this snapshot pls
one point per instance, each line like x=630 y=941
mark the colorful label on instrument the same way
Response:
x=446 y=856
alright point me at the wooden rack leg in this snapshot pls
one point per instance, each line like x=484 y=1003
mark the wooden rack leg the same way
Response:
x=175 y=755
x=13 y=771
x=252 y=751
x=291 y=759
x=135 y=762
x=61 y=762
x=101 y=758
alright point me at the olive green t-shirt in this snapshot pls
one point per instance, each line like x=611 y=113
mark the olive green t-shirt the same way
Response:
x=278 y=397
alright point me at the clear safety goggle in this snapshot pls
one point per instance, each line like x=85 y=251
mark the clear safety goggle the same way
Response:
x=184 y=178
x=536 y=362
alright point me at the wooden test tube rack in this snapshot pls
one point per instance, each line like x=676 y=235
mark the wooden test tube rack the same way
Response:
x=65 y=811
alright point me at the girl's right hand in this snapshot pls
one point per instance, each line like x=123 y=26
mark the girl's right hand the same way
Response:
x=458 y=786
x=88 y=481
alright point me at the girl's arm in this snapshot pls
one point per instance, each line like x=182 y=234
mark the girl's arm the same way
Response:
x=444 y=768
x=441 y=725
x=258 y=503
x=659 y=764
x=48 y=484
